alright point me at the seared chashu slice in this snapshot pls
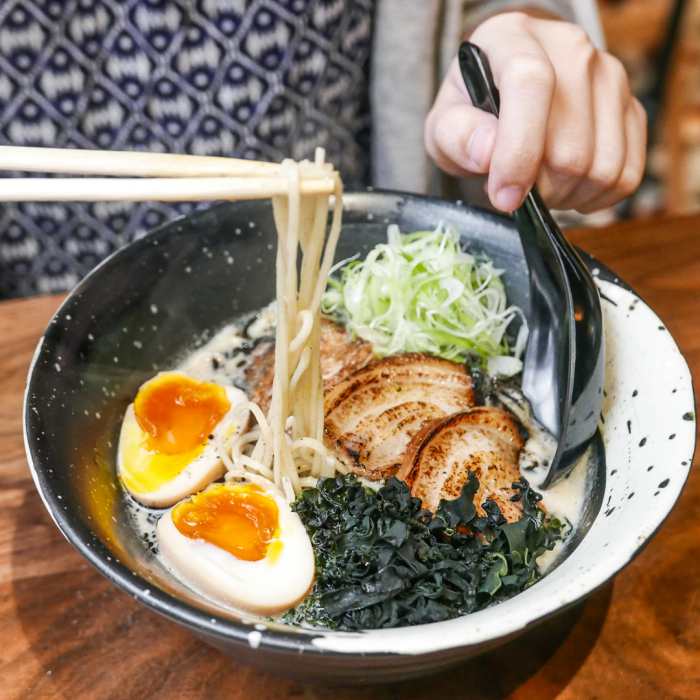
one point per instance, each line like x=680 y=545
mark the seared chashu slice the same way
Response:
x=375 y=447
x=483 y=440
x=372 y=415
x=340 y=355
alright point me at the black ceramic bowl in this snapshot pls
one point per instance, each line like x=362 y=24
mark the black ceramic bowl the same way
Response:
x=136 y=314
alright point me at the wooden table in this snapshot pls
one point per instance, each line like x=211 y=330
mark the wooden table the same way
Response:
x=67 y=633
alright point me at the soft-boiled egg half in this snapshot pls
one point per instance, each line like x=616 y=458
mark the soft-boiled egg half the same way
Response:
x=239 y=544
x=168 y=446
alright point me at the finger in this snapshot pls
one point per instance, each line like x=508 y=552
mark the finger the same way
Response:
x=570 y=141
x=611 y=97
x=526 y=81
x=459 y=137
x=442 y=161
x=633 y=170
x=550 y=185
x=464 y=135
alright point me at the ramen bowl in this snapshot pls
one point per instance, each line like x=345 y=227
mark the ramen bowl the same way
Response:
x=149 y=303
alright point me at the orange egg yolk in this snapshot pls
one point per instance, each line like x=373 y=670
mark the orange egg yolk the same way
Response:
x=178 y=413
x=241 y=519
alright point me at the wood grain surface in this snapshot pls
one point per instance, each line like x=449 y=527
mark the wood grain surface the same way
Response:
x=65 y=632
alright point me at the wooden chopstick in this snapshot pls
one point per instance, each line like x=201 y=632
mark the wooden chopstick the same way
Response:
x=175 y=189
x=78 y=161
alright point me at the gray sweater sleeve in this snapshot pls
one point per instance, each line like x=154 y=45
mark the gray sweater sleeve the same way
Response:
x=582 y=12
x=476 y=11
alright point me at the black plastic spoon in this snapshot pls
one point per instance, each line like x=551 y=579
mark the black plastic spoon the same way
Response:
x=564 y=363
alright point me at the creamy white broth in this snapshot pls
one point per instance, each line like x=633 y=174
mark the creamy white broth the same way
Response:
x=226 y=356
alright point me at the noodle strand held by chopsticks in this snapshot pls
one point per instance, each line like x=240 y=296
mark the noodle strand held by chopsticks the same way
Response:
x=288 y=444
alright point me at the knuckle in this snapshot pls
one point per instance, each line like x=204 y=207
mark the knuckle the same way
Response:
x=570 y=160
x=630 y=179
x=641 y=114
x=517 y=18
x=618 y=73
x=581 y=48
x=578 y=37
x=529 y=69
x=588 y=57
x=606 y=175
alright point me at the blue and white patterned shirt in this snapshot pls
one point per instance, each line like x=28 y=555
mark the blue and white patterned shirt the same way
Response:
x=263 y=79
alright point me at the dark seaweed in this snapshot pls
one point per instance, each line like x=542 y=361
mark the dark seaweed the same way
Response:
x=384 y=561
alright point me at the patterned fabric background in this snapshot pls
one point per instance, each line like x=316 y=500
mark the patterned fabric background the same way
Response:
x=261 y=79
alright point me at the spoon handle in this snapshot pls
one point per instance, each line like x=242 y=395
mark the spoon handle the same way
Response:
x=563 y=292
x=484 y=94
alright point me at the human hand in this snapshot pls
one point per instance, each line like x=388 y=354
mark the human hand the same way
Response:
x=568 y=120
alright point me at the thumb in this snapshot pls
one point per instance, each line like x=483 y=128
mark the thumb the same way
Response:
x=460 y=138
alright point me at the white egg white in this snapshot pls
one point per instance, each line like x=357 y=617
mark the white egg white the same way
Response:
x=265 y=587
x=206 y=467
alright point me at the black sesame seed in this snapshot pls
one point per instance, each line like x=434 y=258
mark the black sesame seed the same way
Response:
x=610 y=511
x=664 y=483
x=629 y=498
x=635 y=393
x=650 y=468
x=656 y=493
x=643 y=442
x=629 y=427
x=613 y=472
x=688 y=416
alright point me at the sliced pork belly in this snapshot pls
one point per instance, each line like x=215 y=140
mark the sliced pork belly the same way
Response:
x=376 y=446
x=483 y=440
x=340 y=355
x=372 y=415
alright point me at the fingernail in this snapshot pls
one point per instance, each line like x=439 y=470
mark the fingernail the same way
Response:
x=509 y=198
x=480 y=147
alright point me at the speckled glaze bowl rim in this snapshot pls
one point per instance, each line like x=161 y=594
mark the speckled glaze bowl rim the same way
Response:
x=381 y=643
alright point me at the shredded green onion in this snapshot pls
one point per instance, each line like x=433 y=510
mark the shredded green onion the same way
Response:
x=420 y=292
